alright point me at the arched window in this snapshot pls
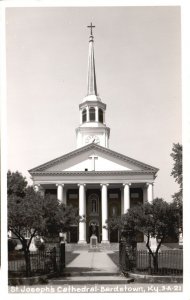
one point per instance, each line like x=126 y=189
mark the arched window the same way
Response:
x=94 y=205
x=93 y=201
x=84 y=115
x=92 y=114
x=100 y=115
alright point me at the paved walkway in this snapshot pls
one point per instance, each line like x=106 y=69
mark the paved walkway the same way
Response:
x=95 y=268
x=96 y=261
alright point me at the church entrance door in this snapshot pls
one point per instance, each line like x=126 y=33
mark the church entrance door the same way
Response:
x=93 y=221
x=94 y=229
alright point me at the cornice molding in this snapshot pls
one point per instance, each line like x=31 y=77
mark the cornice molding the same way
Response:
x=89 y=173
x=92 y=103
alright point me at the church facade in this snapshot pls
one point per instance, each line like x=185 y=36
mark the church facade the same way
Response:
x=98 y=181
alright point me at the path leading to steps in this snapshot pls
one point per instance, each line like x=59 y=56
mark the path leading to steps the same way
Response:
x=94 y=261
x=91 y=268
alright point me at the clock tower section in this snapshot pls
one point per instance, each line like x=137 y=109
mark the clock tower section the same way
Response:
x=92 y=128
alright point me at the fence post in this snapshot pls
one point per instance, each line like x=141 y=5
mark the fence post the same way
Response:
x=62 y=256
x=122 y=255
x=54 y=259
x=131 y=249
x=128 y=249
x=149 y=264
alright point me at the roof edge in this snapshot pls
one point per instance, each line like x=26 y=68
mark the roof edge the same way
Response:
x=89 y=173
x=89 y=147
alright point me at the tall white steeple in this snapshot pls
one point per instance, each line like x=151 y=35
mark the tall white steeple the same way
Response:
x=92 y=128
x=91 y=81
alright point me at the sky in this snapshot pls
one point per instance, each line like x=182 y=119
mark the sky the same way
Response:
x=138 y=70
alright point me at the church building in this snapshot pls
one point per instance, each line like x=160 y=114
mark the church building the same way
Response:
x=100 y=182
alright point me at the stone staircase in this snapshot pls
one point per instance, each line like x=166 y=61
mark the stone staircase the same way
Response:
x=90 y=277
x=86 y=247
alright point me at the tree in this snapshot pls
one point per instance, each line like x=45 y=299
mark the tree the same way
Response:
x=177 y=171
x=30 y=213
x=156 y=219
x=58 y=216
x=25 y=217
x=16 y=184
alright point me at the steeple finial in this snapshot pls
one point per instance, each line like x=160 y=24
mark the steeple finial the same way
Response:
x=91 y=26
x=91 y=81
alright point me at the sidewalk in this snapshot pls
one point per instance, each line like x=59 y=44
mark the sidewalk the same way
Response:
x=91 y=268
x=93 y=261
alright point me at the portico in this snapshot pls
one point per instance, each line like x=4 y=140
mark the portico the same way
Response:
x=97 y=201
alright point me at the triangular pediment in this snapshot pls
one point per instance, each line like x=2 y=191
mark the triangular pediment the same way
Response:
x=93 y=158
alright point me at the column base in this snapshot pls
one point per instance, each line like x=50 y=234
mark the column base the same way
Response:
x=82 y=242
x=105 y=242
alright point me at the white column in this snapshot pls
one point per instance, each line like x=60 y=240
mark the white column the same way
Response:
x=60 y=192
x=81 y=116
x=104 y=119
x=96 y=114
x=87 y=114
x=122 y=200
x=144 y=194
x=126 y=202
x=104 y=213
x=149 y=192
x=82 y=213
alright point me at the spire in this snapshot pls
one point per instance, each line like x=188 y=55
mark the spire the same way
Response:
x=91 y=79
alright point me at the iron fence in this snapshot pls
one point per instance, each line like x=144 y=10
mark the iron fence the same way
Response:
x=169 y=262
x=41 y=262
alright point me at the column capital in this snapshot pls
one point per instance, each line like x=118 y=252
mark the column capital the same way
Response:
x=102 y=184
x=79 y=184
x=126 y=183
x=60 y=184
x=38 y=187
x=149 y=183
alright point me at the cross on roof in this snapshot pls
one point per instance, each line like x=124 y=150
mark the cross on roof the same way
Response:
x=91 y=26
x=93 y=157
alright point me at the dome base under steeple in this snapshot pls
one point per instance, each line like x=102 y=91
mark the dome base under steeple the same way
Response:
x=91 y=98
